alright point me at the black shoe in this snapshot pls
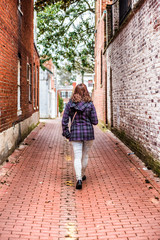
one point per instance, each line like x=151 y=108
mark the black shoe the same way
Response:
x=84 y=178
x=79 y=184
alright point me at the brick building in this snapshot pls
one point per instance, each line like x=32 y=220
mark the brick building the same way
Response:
x=19 y=74
x=127 y=73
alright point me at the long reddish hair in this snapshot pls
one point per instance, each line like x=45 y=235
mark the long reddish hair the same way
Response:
x=81 y=94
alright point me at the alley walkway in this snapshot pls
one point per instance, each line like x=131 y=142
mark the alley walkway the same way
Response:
x=38 y=199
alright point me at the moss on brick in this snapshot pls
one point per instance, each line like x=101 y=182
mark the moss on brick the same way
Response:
x=30 y=128
x=20 y=138
x=139 y=150
x=109 y=126
x=101 y=125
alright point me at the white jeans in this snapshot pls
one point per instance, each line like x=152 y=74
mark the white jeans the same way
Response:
x=81 y=149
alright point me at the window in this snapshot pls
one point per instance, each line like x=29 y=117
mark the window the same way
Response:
x=64 y=94
x=34 y=86
x=19 y=112
x=101 y=67
x=29 y=79
x=124 y=8
x=28 y=71
x=30 y=84
x=111 y=97
x=109 y=23
x=37 y=87
x=69 y=94
x=90 y=83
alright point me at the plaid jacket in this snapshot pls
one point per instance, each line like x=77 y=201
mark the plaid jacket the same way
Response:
x=81 y=128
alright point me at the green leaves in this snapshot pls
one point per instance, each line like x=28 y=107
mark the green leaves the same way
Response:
x=41 y=4
x=61 y=104
x=67 y=35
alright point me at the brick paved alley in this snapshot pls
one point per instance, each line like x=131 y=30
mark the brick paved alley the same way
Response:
x=39 y=199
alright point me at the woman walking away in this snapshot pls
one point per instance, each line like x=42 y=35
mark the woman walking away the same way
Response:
x=83 y=116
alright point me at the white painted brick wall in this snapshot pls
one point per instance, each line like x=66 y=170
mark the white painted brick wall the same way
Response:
x=134 y=57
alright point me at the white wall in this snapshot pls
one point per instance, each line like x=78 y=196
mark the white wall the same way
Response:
x=47 y=96
x=86 y=78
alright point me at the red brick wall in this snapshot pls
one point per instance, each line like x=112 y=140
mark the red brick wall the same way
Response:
x=100 y=64
x=16 y=40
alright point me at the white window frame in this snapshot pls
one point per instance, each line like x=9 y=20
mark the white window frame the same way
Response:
x=34 y=86
x=37 y=76
x=30 y=84
x=20 y=6
x=19 y=112
x=69 y=94
x=29 y=80
x=63 y=94
x=28 y=72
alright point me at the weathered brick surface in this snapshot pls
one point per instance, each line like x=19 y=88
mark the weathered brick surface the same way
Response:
x=134 y=57
x=133 y=69
x=16 y=40
x=38 y=199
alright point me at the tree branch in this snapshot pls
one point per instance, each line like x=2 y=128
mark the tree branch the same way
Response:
x=89 y=7
x=73 y=20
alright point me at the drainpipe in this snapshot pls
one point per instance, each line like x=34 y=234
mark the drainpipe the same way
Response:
x=82 y=72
